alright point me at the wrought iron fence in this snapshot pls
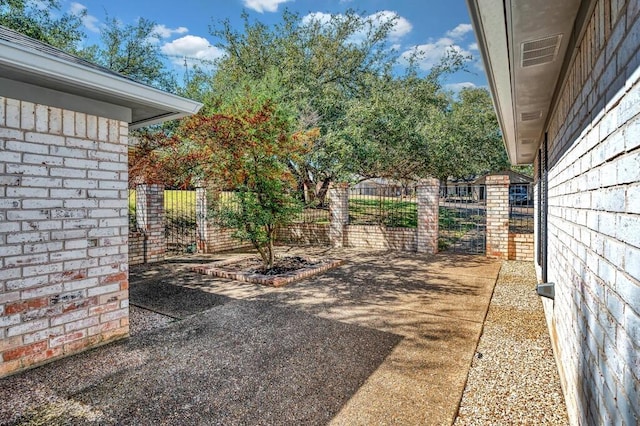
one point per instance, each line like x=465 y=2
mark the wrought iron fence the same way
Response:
x=390 y=205
x=462 y=219
x=312 y=210
x=521 y=208
x=180 y=220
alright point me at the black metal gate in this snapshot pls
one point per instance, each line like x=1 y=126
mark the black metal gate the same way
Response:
x=180 y=220
x=463 y=219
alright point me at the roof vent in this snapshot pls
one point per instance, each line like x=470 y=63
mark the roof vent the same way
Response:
x=526 y=141
x=529 y=116
x=541 y=51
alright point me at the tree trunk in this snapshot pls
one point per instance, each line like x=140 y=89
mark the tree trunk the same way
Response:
x=322 y=192
x=263 y=254
x=271 y=234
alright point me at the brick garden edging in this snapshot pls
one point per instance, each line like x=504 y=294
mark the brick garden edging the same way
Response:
x=214 y=269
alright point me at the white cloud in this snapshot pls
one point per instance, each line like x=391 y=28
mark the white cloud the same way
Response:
x=193 y=48
x=459 y=32
x=89 y=21
x=457 y=87
x=401 y=26
x=319 y=17
x=262 y=6
x=429 y=54
x=164 y=32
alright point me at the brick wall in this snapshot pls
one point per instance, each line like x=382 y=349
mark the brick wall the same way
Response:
x=63 y=233
x=338 y=213
x=136 y=248
x=497 y=187
x=521 y=247
x=304 y=234
x=594 y=220
x=380 y=237
x=428 y=194
x=148 y=244
x=220 y=239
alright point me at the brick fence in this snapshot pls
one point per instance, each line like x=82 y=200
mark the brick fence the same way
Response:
x=147 y=245
x=497 y=216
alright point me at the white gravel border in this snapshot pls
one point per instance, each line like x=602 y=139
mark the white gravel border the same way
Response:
x=513 y=377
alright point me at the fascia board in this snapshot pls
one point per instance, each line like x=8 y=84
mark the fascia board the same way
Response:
x=490 y=26
x=93 y=80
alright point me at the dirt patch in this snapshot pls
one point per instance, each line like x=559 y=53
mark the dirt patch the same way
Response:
x=286 y=269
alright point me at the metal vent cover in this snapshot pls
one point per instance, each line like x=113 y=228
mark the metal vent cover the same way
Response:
x=531 y=115
x=526 y=141
x=541 y=51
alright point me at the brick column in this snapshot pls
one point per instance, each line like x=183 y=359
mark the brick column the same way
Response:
x=339 y=213
x=150 y=219
x=498 y=216
x=427 y=192
x=201 y=219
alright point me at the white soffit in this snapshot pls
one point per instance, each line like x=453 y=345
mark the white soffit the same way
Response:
x=523 y=44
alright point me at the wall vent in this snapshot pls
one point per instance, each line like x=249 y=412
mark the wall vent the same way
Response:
x=529 y=116
x=541 y=51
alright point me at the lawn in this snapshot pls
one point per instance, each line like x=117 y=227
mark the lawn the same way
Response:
x=391 y=212
x=173 y=200
x=179 y=207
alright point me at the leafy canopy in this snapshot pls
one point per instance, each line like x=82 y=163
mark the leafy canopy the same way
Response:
x=43 y=21
x=245 y=146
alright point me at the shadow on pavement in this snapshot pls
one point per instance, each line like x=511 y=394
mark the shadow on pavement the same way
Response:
x=158 y=295
x=241 y=363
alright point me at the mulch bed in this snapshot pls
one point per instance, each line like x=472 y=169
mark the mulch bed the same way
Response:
x=286 y=269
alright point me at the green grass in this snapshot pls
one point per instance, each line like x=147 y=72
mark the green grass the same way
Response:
x=179 y=208
x=395 y=213
x=176 y=200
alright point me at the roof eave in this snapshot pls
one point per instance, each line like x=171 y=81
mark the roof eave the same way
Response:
x=94 y=81
x=496 y=64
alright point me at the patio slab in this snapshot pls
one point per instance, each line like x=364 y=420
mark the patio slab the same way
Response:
x=387 y=338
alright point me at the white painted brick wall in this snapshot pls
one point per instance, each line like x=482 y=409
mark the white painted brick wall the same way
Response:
x=63 y=232
x=594 y=231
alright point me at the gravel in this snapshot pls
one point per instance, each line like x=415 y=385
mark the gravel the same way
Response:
x=142 y=320
x=513 y=377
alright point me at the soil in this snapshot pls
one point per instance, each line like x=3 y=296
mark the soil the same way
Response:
x=282 y=265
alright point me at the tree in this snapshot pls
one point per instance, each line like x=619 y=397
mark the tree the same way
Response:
x=43 y=20
x=246 y=146
x=322 y=62
x=129 y=50
x=472 y=139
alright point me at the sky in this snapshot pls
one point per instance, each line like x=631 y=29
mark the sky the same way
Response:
x=432 y=26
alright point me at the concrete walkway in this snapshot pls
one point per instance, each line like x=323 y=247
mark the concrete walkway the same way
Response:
x=387 y=338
